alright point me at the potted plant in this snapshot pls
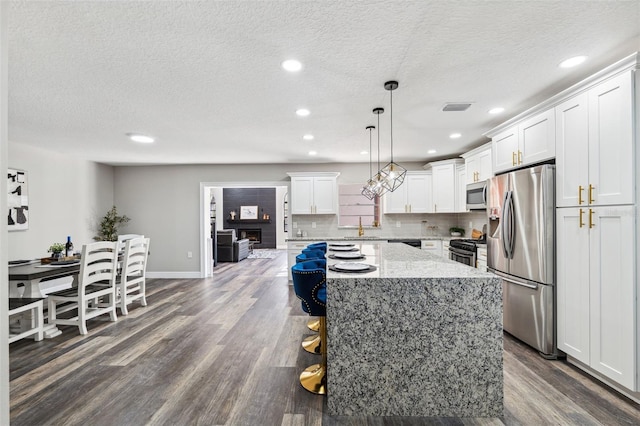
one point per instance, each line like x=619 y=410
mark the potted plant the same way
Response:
x=56 y=250
x=456 y=232
x=109 y=224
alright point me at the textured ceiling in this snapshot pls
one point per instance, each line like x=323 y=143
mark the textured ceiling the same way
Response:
x=204 y=78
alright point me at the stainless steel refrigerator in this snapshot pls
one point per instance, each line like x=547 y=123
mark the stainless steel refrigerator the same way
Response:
x=521 y=250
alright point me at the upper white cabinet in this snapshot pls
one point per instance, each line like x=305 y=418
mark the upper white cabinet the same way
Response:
x=531 y=141
x=314 y=193
x=478 y=164
x=413 y=196
x=461 y=188
x=445 y=185
x=594 y=132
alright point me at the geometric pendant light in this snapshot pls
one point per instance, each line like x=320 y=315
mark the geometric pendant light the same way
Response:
x=392 y=174
x=376 y=183
x=368 y=190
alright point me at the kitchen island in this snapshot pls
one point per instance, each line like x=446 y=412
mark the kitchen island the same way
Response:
x=419 y=336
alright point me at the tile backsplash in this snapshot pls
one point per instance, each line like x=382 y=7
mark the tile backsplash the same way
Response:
x=410 y=225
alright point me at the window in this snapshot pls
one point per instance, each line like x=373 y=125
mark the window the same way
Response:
x=353 y=207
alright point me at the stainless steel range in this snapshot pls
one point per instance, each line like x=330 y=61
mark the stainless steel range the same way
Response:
x=464 y=251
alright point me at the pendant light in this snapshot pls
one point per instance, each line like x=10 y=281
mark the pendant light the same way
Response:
x=392 y=174
x=368 y=188
x=377 y=181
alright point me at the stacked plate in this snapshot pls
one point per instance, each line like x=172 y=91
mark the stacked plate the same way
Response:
x=351 y=267
x=342 y=247
x=348 y=255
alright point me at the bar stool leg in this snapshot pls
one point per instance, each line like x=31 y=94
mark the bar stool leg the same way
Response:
x=312 y=344
x=314 y=378
x=314 y=324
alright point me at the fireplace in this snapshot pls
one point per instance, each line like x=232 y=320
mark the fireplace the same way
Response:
x=254 y=235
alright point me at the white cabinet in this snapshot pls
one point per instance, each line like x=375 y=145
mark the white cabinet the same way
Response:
x=445 y=248
x=594 y=132
x=314 y=193
x=481 y=258
x=445 y=188
x=530 y=141
x=478 y=164
x=413 y=196
x=432 y=246
x=461 y=189
x=596 y=289
x=294 y=248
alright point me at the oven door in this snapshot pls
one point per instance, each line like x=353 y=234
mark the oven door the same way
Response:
x=463 y=256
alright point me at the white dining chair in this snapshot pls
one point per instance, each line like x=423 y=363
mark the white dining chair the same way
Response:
x=131 y=281
x=96 y=281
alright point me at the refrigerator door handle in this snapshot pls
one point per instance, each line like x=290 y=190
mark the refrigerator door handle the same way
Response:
x=503 y=224
x=512 y=225
x=514 y=280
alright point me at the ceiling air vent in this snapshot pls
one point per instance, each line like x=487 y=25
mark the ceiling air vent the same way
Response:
x=456 y=106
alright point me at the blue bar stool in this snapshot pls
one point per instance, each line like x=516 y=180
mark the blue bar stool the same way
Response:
x=312 y=343
x=318 y=246
x=309 y=283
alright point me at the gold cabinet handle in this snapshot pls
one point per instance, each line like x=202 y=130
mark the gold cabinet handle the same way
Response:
x=519 y=157
x=513 y=158
x=580 y=189
x=581 y=223
x=591 y=188
x=591 y=224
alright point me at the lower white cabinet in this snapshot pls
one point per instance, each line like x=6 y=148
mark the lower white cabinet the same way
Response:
x=294 y=248
x=432 y=246
x=597 y=290
x=481 y=258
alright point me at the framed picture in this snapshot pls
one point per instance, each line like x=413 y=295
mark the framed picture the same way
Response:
x=17 y=200
x=248 y=212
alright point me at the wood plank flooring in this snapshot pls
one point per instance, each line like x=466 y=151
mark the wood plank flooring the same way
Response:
x=226 y=351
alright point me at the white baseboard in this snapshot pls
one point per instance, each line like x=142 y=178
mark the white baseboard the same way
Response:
x=174 y=275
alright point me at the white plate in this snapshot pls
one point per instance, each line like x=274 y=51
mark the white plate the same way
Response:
x=341 y=245
x=341 y=248
x=347 y=266
x=348 y=255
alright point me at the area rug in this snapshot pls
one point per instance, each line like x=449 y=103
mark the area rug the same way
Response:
x=263 y=254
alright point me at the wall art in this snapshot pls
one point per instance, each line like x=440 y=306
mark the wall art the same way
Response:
x=18 y=200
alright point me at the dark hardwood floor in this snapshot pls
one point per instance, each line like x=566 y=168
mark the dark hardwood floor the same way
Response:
x=226 y=351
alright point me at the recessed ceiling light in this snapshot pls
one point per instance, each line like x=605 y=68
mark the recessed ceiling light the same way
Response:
x=292 y=65
x=302 y=112
x=308 y=137
x=572 y=62
x=431 y=151
x=136 y=137
x=455 y=135
x=496 y=110
x=312 y=153
x=364 y=152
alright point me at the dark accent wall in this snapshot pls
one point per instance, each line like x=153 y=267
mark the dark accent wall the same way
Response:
x=264 y=198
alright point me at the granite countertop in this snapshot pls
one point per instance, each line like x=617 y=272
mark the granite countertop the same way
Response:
x=428 y=328
x=365 y=238
x=403 y=261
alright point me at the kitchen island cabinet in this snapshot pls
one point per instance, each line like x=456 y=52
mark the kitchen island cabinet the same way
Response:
x=419 y=336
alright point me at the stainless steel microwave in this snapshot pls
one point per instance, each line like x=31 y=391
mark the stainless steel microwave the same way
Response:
x=477 y=195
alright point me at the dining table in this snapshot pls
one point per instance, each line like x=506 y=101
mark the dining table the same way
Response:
x=32 y=274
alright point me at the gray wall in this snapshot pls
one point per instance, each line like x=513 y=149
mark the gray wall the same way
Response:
x=67 y=196
x=164 y=203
